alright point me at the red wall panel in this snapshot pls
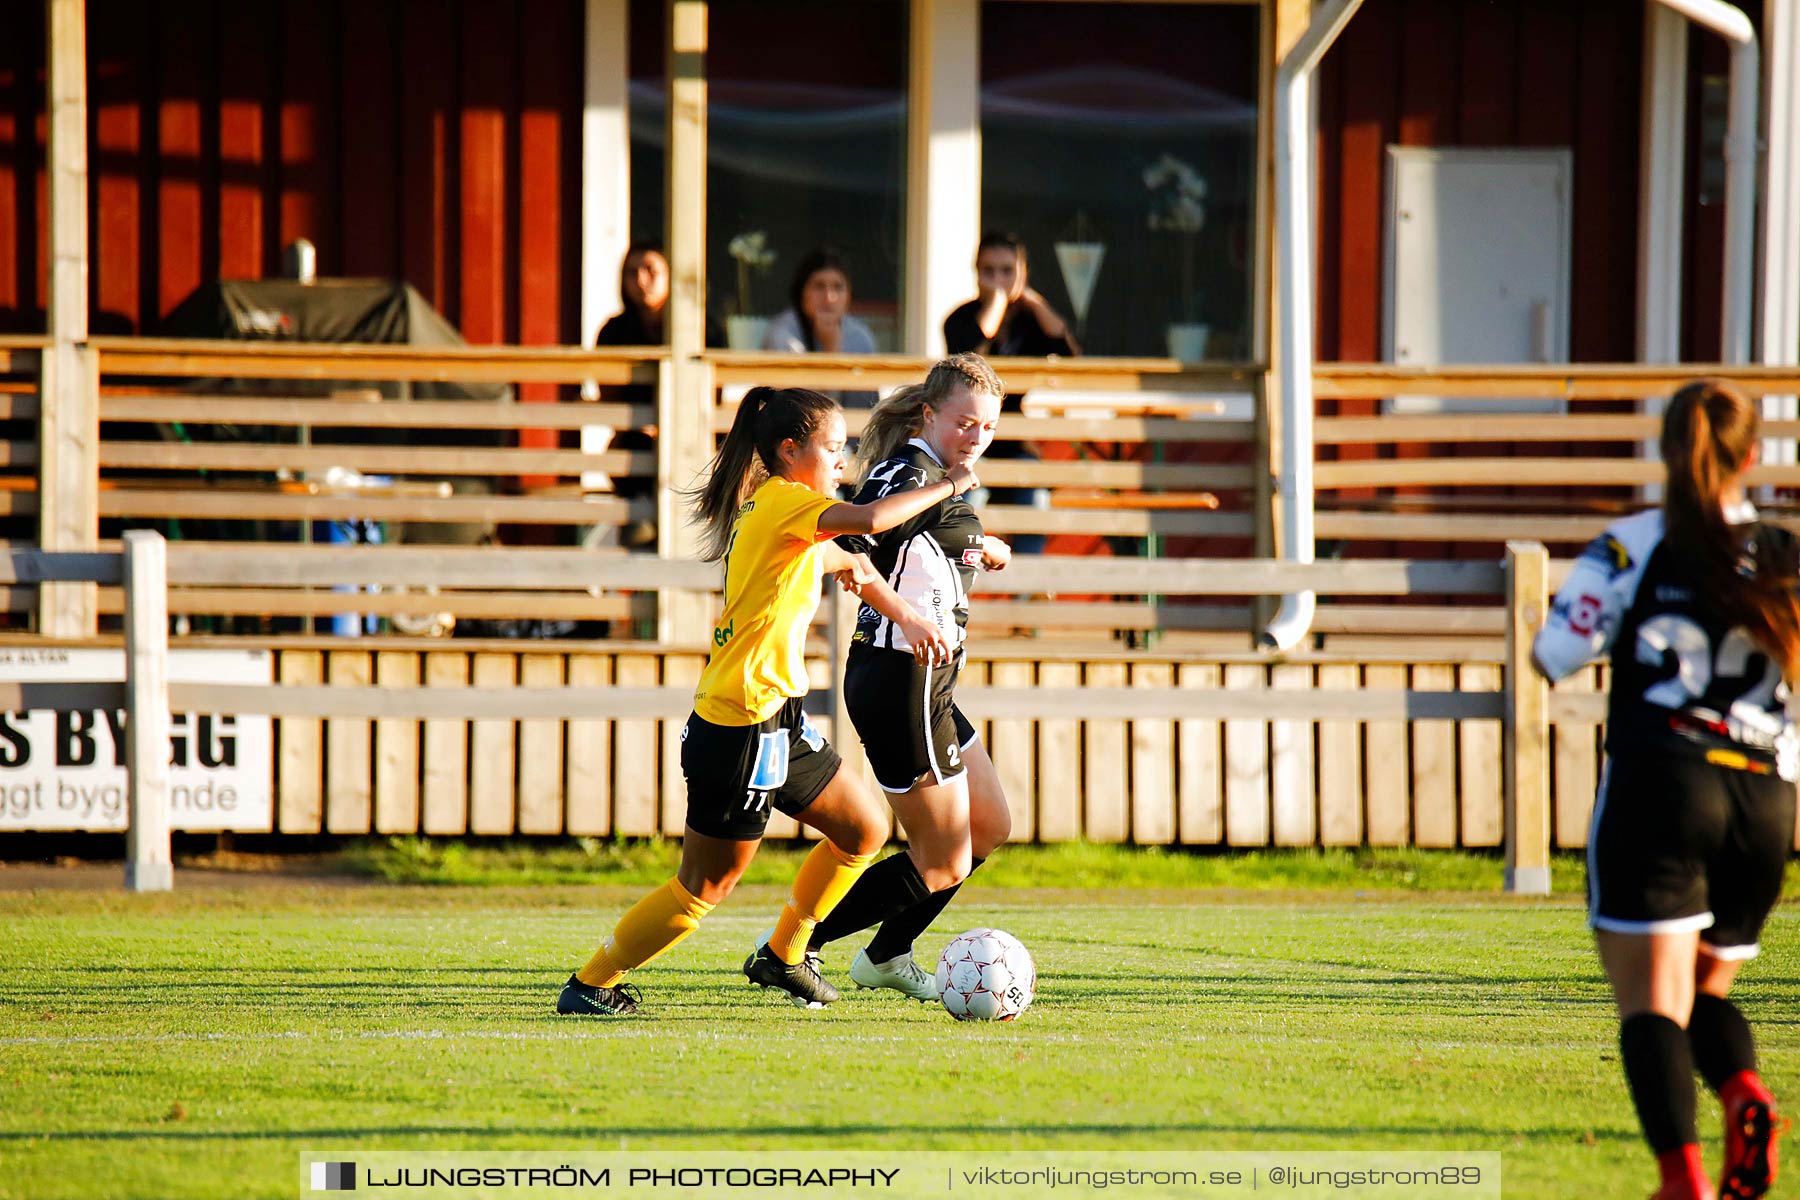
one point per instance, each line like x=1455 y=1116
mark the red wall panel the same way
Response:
x=118 y=111
x=244 y=234
x=183 y=35
x=430 y=139
x=310 y=170
x=1472 y=73
x=370 y=193
x=428 y=153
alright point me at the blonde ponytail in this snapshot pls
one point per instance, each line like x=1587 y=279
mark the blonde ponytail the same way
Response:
x=891 y=423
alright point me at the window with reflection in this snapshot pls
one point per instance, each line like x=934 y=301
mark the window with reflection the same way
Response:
x=1119 y=142
x=806 y=164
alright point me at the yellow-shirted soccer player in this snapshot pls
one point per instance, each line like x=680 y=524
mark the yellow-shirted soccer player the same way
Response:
x=769 y=509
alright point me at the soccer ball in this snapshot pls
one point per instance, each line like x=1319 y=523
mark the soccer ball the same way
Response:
x=986 y=975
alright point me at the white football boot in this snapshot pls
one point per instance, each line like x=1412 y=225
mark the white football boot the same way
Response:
x=900 y=973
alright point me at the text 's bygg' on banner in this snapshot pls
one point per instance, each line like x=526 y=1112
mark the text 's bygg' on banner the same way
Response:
x=66 y=770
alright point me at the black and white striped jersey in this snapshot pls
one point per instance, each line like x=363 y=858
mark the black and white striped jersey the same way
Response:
x=930 y=560
x=1682 y=675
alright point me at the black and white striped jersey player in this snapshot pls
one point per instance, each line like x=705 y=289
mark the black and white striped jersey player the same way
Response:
x=1695 y=809
x=906 y=710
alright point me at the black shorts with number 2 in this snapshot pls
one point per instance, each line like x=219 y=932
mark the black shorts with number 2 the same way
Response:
x=737 y=773
x=906 y=714
x=1679 y=843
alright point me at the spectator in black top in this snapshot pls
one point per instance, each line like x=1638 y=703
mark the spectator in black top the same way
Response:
x=644 y=286
x=1008 y=318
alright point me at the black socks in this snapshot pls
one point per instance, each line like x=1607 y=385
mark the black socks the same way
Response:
x=898 y=932
x=891 y=886
x=1660 y=1069
x=1720 y=1040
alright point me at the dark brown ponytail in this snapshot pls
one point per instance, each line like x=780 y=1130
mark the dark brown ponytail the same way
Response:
x=1708 y=432
x=751 y=453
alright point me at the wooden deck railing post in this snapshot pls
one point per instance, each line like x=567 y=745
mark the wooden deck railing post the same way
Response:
x=685 y=403
x=1526 y=754
x=1265 y=501
x=69 y=396
x=149 y=866
x=684 y=446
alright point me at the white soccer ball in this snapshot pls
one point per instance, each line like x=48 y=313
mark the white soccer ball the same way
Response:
x=986 y=975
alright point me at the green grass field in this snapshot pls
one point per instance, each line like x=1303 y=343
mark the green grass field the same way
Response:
x=192 y=1044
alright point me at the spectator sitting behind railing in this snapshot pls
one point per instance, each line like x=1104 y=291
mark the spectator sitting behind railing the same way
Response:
x=1008 y=318
x=644 y=287
x=818 y=320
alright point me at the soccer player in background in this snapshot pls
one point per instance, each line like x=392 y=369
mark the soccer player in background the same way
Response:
x=925 y=754
x=770 y=510
x=1696 y=604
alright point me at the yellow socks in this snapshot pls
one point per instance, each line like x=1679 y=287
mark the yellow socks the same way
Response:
x=824 y=878
x=654 y=924
x=672 y=912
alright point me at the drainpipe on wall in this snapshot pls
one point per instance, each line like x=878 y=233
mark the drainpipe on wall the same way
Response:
x=1730 y=23
x=1294 y=289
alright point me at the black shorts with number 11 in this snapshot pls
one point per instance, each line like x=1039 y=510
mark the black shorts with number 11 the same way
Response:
x=737 y=774
x=906 y=715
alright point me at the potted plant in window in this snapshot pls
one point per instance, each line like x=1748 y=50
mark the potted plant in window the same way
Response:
x=1178 y=207
x=743 y=329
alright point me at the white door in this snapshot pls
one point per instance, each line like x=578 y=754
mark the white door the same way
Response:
x=1478 y=264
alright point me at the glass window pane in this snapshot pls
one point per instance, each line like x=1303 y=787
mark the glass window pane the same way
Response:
x=808 y=149
x=1131 y=128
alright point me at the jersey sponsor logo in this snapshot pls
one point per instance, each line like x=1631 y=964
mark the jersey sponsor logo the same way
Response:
x=1610 y=554
x=722 y=634
x=1666 y=594
x=1583 y=614
x=971 y=558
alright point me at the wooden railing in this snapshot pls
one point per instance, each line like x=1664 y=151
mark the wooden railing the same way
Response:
x=498 y=740
x=212 y=440
x=1473 y=477
x=282 y=445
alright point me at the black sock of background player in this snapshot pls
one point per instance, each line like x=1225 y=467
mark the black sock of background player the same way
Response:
x=898 y=933
x=890 y=886
x=1660 y=1069
x=1720 y=1040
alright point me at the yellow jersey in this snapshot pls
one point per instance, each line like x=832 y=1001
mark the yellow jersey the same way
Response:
x=772 y=571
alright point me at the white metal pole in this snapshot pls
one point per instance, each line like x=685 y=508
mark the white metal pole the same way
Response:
x=1730 y=23
x=1663 y=153
x=1294 y=224
x=1780 y=282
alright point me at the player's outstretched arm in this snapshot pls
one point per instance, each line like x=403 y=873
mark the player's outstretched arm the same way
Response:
x=859 y=575
x=896 y=507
